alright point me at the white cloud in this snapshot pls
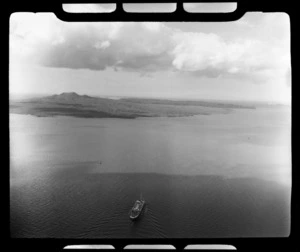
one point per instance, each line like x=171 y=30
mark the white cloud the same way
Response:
x=102 y=45
x=153 y=26
x=233 y=70
x=209 y=53
x=146 y=47
x=244 y=24
x=197 y=51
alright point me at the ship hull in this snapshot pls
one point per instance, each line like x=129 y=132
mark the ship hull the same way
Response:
x=135 y=215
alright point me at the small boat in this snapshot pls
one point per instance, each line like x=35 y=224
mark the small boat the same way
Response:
x=137 y=209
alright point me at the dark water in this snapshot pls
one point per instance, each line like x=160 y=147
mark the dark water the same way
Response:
x=207 y=176
x=88 y=205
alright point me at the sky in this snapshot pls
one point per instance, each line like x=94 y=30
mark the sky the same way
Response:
x=245 y=60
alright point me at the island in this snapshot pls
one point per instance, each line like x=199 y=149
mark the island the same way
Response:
x=73 y=104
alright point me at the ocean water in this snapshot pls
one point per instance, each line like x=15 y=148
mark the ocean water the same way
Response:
x=202 y=176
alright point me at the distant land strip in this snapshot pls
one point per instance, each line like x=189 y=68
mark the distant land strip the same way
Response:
x=72 y=104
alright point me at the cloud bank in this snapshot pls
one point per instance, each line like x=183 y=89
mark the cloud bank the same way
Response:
x=147 y=47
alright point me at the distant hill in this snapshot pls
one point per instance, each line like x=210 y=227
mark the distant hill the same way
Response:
x=73 y=98
x=66 y=96
x=73 y=104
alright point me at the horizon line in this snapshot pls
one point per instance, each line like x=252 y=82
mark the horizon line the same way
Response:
x=118 y=97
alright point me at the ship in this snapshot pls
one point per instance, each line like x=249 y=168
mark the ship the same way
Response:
x=137 y=208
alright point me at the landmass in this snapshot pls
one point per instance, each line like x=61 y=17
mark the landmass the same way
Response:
x=72 y=104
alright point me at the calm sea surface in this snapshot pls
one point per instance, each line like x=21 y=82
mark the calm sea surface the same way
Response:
x=203 y=176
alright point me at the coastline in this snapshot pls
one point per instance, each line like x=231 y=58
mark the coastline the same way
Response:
x=72 y=104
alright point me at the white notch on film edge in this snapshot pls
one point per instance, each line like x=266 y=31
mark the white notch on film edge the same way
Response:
x=90 y=246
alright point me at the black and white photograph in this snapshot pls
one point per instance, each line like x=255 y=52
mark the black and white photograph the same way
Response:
x=149 y=129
